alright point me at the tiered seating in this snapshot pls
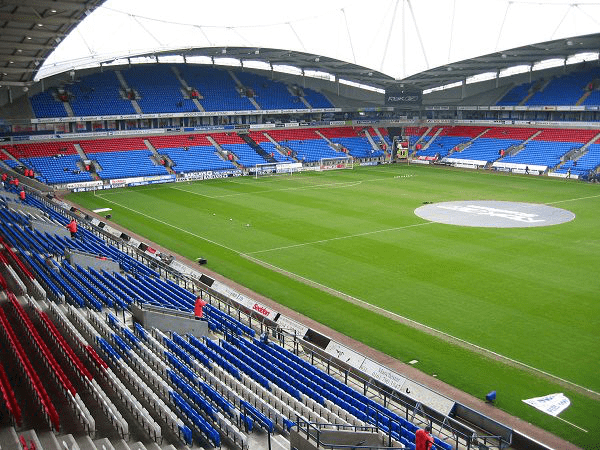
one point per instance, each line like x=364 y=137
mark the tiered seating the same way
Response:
x=131 y=163
x=316 y=99
x=98 y=94
x=54 y=367
x=217 y=88
x=485 y=149
x=357 y=146
x=10 y=401
x=566 y=135
x=58 y=170
x=547 y=148
x=108 y=407
x=45 y=105
x=142 y=415
x=306 y=144
x=564 y=90
x=515 y=95
x=158 y=88
x=53 y=162
x=414 y=133
x=270 y=94
x=30 y=375
x=448 y=139
x=232 y=142
x=582 y=166
x=42 y=149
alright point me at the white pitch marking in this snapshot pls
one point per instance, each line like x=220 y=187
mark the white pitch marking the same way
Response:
x=172 y=226
x=338 y=238
x=573 y=199
x=417 y=325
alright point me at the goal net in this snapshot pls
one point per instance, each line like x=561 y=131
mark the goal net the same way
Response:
x=270 y=169
x=336 y=163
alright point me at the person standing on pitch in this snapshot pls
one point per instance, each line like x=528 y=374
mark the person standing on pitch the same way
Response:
x=423 y=440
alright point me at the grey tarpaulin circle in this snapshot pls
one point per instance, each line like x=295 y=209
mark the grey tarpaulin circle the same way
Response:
x=494 y=214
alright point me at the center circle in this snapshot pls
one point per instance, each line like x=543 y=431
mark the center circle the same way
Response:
x=494 y=214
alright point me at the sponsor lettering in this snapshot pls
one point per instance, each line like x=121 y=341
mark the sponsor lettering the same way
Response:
x=494 y=212
x=403 y=99
x=261 y=309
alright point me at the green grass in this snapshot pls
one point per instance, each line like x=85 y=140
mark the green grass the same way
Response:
x=531 y=294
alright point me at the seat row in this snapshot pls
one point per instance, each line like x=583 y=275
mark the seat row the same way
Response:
x=31 y=377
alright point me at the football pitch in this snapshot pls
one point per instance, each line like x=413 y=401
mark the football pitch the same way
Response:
x=517 y=309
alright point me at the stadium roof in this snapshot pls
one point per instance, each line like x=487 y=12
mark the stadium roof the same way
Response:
x=31 y=29
x=378 y=45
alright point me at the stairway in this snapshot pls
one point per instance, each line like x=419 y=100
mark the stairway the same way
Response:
x=430 y=141
x=186 y=88
x=257 y=148
x=576 y=153
x=80 y=152
x=125 y=86
x=157 y=157
x=461 y=147
x=9 y=439
x=222 y=152
x=10 y=156
x=585 y=95
x=241 y=85
x=374 y=145
x=68 y=108
x=534 y=89
x=423 y=136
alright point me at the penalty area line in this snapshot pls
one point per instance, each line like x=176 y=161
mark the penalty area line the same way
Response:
x=427 y=329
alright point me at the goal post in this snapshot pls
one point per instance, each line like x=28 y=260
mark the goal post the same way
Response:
x=270 y=169
x=346 y=162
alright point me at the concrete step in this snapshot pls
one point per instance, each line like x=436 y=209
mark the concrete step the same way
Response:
x=85 y=443
x=9 y=439
x=31 y=439
x=121 y=445
x=67 y=442
x=103 y=444
x=138 y=446
x=48 y=440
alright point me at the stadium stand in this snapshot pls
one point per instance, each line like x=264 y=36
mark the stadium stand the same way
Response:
x=99 y=94
x=218 y=90
x=158 y=88
x=564 y=90
x=208 y=390
x=45 y=105
x=269 y=94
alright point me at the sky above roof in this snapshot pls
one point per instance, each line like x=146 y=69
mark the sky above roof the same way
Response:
x=397 y=37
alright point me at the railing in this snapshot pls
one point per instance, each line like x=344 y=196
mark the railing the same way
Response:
x=449 y=429
x=313 y=430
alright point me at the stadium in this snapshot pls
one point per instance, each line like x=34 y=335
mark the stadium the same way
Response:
x=274 y=226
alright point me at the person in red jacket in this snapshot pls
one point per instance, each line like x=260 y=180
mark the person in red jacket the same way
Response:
x=22 y=195
x=72 y=227
x=423 y=440
x=198 y=308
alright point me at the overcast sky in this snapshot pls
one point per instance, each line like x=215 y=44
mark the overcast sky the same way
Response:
x=397 y=37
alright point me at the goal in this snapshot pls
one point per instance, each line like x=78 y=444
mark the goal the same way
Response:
x=336 y=163
x=269 y=169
